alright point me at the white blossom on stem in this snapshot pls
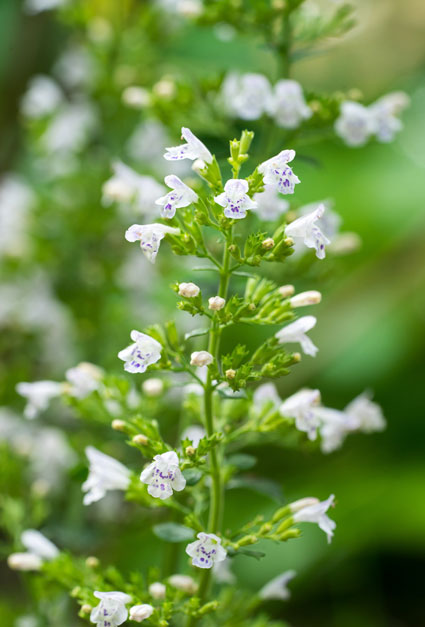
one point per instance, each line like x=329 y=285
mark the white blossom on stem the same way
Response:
x=184 y=583
x=105 y=473
x=36 y=543
x=266 y=394
x=317 y=514
x=192 y=149
x=270 y=206
x=144 y=352
x=139 y=613
x=180 y=196
x=277 y=172
x=24 y=561
x=384 y=113
x=366 y=414
x=246 y=96
x=157 y=590
x=216 y=303
x=296 y=332
x=300 y=406
x=277 y=587
x=355 y=124
x=129 y=188
x=42 y=97
x=163 y=476
x=235 y=199
x=306 y=230
x=111 y=610
x=201 y=358
x=304 y=299
x=334 y=426
x=206 y=551
x=288 y=106
x=150 y=236
x=38 y=395
x=84 y=379
x=189 y=290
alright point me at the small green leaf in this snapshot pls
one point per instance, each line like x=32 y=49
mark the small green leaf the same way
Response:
x=256 y=554
x=243 y=461
x=192 y=476
x=173 y=532
x=195 y=333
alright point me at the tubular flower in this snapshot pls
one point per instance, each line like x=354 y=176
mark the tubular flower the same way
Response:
x=235 y=199
x=111 y=610
x=180 y=196
x=144 y=352
x=296 y=332
x=105 y=473
x=150 y=236
x=317 y=514
x=206 y=551
x=192 y=149
x=163 y=476
x=277 y=172
x=306 y=230
x=277 y=587
x=300 y=406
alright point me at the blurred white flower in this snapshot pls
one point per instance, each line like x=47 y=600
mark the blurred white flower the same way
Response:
x=130 y=189
x=334 y=426
x=16 y=201
x=384 y=113
x=43 y=97
x=277 y=587
x=84 y=378
x=76 y=67
x=105 y=473
x=287 y=104
x=24 y=561
x=235 y=199
x=366 y=414
x=266 y=394
x=183 y=583
x=192 y=149
x=157 y=590
x=201 y=358
x=301 y=407
x=26 y=621
x=270 y=206
x=36 y=543
x=330 y=221
x=296 y=332
x=356 y=124
x=163 y=476
x=38 y=6
x=136 y=97
x=150 y=236
x=246 y=96
x=139 y=613
x=306 y=230
x=71 y=128
x=194 y=433
x=180 y=196
x=153 y=387
x=304 y=299
x=144 y=352
x=111 y=610
x=277 y=172
x=206 y=550
x=38 y=395
x=317 y=514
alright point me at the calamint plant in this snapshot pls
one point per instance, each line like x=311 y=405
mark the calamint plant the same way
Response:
x=229 y=395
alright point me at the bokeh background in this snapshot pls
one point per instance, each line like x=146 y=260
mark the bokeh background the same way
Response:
x=80 y=290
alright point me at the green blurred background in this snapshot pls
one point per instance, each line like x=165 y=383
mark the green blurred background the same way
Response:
x=370 y=330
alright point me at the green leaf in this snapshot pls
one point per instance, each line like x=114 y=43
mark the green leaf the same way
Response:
x=192 y=476
x=255 y=554
x=173 y=532
x=265 y=487
x=243 y=461
x=195 y=333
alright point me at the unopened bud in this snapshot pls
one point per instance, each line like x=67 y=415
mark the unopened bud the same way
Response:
x=198 y=165
x=75 y=592
x=164 y=88
x=86 y=608
x=288 y=241
x=190 y=451
x=188 y=290
x=138 y=613
x=230 y=373
x=157 y=590
x=266 y=528
x=296 y=357
x=140 y=439
x=245 y=541
x=92 y=562
x=306 y=298
x=301 y=503
x=118 y=425
x=153 y=387
x=201 y=358
x=286 y=291
x=136 y=97
x=268 y=243
x=216 y=303
x=184 y=583
x=24 y=561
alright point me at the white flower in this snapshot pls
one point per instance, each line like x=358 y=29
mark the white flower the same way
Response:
x=312 y=297
x=128 y=188
x=37 y=6
x=296 y=332
x=183 y=583
x=287 y=105
x=266 y=393
x=317 y=514
x=84 y=378
x=163 y=476
x=16 y=201
x=384 y=113
x=144 y=352
x=181 y=196
x=206 y=551
x=153 y=387
x=277 y=587
x=39 y=545
x=286 y=290
x=77 y=67
x=300 y=406
x=111 y=610
x=330 y=220
x=355 y=124
x=139 y=613
x=334 y=426
x=71 y=128
x=24 y=561
x=222 y=572
x=150 y=236
x=192 y=149
x=201 y=358
x=38 y=395
x=270 y=206
x=366 y=414
x=189 y=290
x=302 y=503
x=157 y=590
x=246 y=96
x=136 y=97
x=306 y=229
x=235 y=200
x=42 y=97
x=194 y=433
x=105 y=473
x=277 y=172
x=215 y=303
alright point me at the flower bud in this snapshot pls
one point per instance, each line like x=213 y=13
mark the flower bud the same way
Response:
x=165 y=88
x=140 y=439
x=216 y=303
x=139 y=613
x=118 y=425
x=198 y=165
x=117 y=190
x=189 y=290
x=230 y=373
x=86 y=608
x=92 y=562
x=288 y=241
x=286 y=291
x=153 y=387
x=184 y=583
x=301 y=503
x=136 y=97
x=190 y=450
x=24 y=561
x=157 y=590
x=268 y=243
x=306 y=298
x=201 y=358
